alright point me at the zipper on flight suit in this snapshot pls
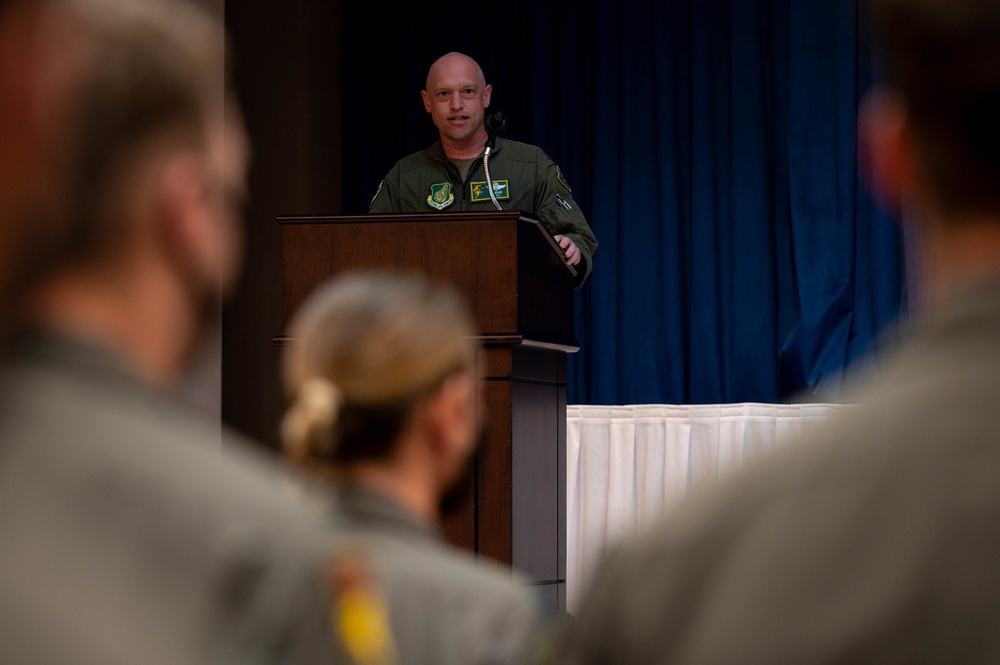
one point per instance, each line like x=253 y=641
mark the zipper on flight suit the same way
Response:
x=462 y=186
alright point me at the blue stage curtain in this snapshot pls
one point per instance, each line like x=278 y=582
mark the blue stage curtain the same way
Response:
x=712 y=145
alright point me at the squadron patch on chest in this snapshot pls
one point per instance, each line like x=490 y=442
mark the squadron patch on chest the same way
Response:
x=480 y=192
x=441 y=196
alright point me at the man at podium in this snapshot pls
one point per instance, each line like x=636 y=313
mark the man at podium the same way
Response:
x=452 y=174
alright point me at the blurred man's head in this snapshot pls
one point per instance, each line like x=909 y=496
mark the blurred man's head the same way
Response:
x=150 y=237
x=942 y=65
x=930 y=142
x=151 y=123
x=154 y=93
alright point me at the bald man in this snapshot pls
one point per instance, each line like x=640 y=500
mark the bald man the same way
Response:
x=450 y=176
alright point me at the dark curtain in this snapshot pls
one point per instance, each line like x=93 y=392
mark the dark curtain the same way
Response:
x=712 y=145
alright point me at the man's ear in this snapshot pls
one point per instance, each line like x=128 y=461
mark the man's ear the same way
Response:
x=886 y=150
x=184 y=215
x=427 y=100
x=487 y=92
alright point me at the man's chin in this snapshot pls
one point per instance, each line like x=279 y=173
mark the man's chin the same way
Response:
x=458 y=135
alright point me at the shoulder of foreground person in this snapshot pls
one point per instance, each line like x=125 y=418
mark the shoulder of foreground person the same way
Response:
x=138 y=519
x=449 y=607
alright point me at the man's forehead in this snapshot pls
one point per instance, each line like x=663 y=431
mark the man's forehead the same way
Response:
x=453 y=71
x=455 y=83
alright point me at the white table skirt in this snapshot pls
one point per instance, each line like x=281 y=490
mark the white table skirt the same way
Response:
x=627 y=464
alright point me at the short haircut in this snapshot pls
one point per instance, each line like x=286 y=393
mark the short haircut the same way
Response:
x=943 y=58
x=156 y=73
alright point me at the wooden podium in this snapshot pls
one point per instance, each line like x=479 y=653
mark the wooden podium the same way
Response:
x=511 y=272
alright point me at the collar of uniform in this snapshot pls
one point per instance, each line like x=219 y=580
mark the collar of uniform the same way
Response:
x=33 y=344
x=437 y=152
x=371 y=510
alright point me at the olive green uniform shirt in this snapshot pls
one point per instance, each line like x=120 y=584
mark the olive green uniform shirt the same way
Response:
x=524 y=179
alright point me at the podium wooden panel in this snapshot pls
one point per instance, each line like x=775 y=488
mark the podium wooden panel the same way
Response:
x=510 y=270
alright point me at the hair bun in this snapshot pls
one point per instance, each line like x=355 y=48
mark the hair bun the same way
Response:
x=306 y=428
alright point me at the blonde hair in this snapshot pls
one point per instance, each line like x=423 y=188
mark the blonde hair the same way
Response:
x=366 y=348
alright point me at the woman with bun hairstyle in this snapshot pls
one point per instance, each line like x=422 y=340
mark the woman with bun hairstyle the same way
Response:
x=381 y=376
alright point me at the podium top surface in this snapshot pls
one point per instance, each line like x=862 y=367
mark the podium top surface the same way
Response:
x=506 y=264
x=463 y=216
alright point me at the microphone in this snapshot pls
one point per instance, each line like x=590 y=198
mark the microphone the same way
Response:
x=495 y=124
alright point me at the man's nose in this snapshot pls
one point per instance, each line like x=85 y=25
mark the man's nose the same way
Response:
x=457 y=102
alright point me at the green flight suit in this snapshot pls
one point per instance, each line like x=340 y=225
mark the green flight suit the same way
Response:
x=524 y=178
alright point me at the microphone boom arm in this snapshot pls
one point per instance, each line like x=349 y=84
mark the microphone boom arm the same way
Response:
x=494 y=124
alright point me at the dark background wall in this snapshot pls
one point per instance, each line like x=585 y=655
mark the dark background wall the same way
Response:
x=286 y=62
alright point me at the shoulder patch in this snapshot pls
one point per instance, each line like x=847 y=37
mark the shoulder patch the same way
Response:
x=359 y=614
x=562 y=179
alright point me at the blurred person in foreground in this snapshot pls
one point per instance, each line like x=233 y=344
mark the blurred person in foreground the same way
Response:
x=381 y=374
x=876 y=539
x=128 y=536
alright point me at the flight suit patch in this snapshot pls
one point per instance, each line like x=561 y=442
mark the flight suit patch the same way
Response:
x=501 y=189
x=441 y=196
x=562 y=179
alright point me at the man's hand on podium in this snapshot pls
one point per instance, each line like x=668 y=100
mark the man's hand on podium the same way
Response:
x=569 y=248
